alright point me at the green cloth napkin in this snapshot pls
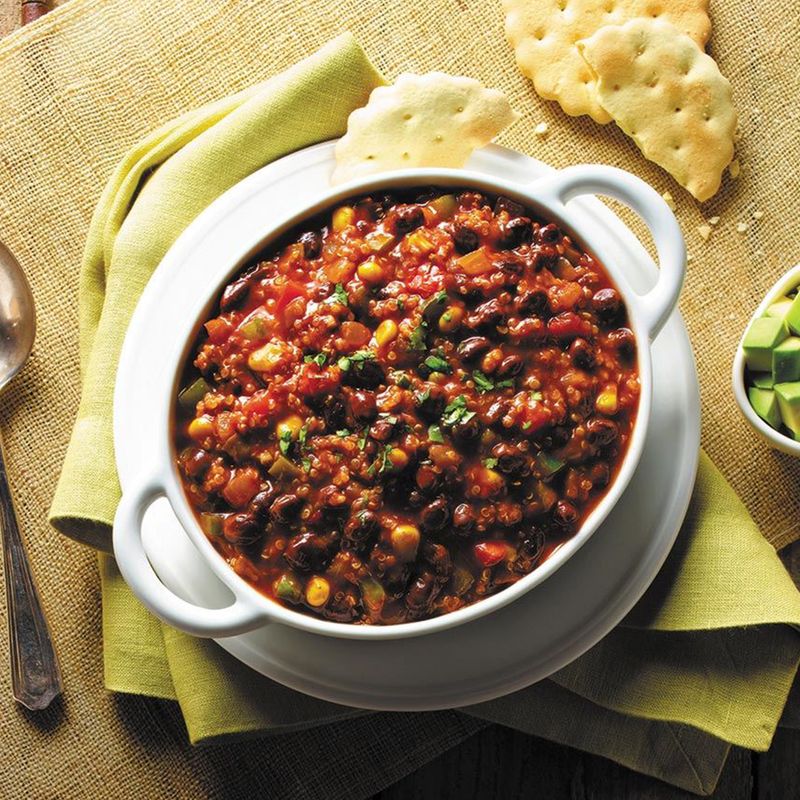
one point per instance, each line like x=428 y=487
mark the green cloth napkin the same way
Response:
x=708 y=656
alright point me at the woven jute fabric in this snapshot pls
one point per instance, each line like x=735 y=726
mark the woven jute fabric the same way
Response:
x=84 y=84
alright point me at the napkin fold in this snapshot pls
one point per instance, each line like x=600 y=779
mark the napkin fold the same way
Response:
x=707 y=657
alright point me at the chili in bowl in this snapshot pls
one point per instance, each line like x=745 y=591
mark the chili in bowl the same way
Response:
x=412 y=403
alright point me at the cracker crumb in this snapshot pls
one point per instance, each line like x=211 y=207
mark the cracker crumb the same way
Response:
x=713 y=220
x=734 y=168
x=669 y=200
x=742 y=227
x=704 y=231
x=541 y=129
x=758 y=214
x=689 y=257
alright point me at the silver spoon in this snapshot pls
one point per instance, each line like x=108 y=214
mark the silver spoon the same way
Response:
x=35 y=675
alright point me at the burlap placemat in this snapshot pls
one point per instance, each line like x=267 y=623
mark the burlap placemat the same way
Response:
x=78 y=88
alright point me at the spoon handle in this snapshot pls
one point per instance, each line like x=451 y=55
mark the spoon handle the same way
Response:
x=35 y=674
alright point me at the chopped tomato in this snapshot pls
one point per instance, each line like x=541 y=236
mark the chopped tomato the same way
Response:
x=490 y=553
x=218 y=330
x=314 y=381
x=568 y=325
x=242 y=487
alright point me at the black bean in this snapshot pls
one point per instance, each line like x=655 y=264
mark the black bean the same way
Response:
x=242 y=529
x=513 y=208
x=438 y=556
x=333 y=498
x=463 y=519
x=407 y=218
x=599 y=474
x=360 y=530
x=334 y=412
x=515 y=232
x=565 y=515
x=495 y=413
x=532 y=302
x=509 y=514
x=601 y=432
x=363 y=405
x=582 y=354
x=607 y=305
x=511 y=460
x=624 y=342
x=487 y=315
x=465 y=240
x=421 y=594
x=430 y=402
x=548 y=234
x=366 y=374
x=196 y=462
x=260 y=504
x=308 y=552
x=343 y=606
x=312 y=244
x=435 y=515
x=285 y=508
x=473 y=348
x=466 y=430
x=510 y=367
x=234 y=294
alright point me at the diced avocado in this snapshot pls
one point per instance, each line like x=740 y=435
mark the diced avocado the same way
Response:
x=779 y=308
x=763 y=335
x=788 y=395
x=763 y=380
x=786 y=360
x=765 y=404
x=792 y=316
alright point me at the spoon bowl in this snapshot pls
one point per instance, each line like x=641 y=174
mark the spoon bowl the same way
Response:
x=17 y=317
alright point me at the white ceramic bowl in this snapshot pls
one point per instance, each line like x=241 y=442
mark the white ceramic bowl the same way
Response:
x=547 y=197
x=777 y=439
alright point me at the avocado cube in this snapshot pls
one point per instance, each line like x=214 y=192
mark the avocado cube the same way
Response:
x=779 y=308
x=765 y=404
x=786 y=360
x=763 y=380
x=792 y=316
x=763 y=335
x=788 y=395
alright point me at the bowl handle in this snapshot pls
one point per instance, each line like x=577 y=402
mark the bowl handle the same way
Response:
x=564 y=185
x=139 y=574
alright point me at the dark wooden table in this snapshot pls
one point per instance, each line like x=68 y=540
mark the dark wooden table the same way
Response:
x=502 y=764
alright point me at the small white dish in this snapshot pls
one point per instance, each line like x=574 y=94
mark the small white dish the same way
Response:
x=778 y=440
x=516 y=645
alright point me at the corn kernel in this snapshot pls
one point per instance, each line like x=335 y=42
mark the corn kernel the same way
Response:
x=370 y=271
x=200 y=428
x=289 y=425
x=606 y=402
x=267 y=358
x=317 y=591
x=386 y=332
x=342 y=217
x=405 y=542
x=451 y=319
x=397 y=458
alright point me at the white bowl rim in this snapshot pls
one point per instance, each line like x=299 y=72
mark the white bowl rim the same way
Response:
x=789 y=280
x=269 y=609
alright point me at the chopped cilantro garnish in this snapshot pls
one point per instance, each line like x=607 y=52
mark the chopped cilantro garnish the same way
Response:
x=319 y=359
x=343 y=433
x=401 y=305
x=536 y=396
x=526 y=425
x=438 y=364
x=362 y=439
x=456 y=411
x=491 y=463
x=343 y=363
x=306 y=464
x=506 y=384
x=482 y=383
x=401 y=379
x=285 y=442
x=302 y=436
x=417 y=339
x=341 y=295
x=435 y=434
x=361 y=356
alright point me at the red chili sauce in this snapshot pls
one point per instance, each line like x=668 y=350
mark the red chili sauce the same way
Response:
x=406 y=405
